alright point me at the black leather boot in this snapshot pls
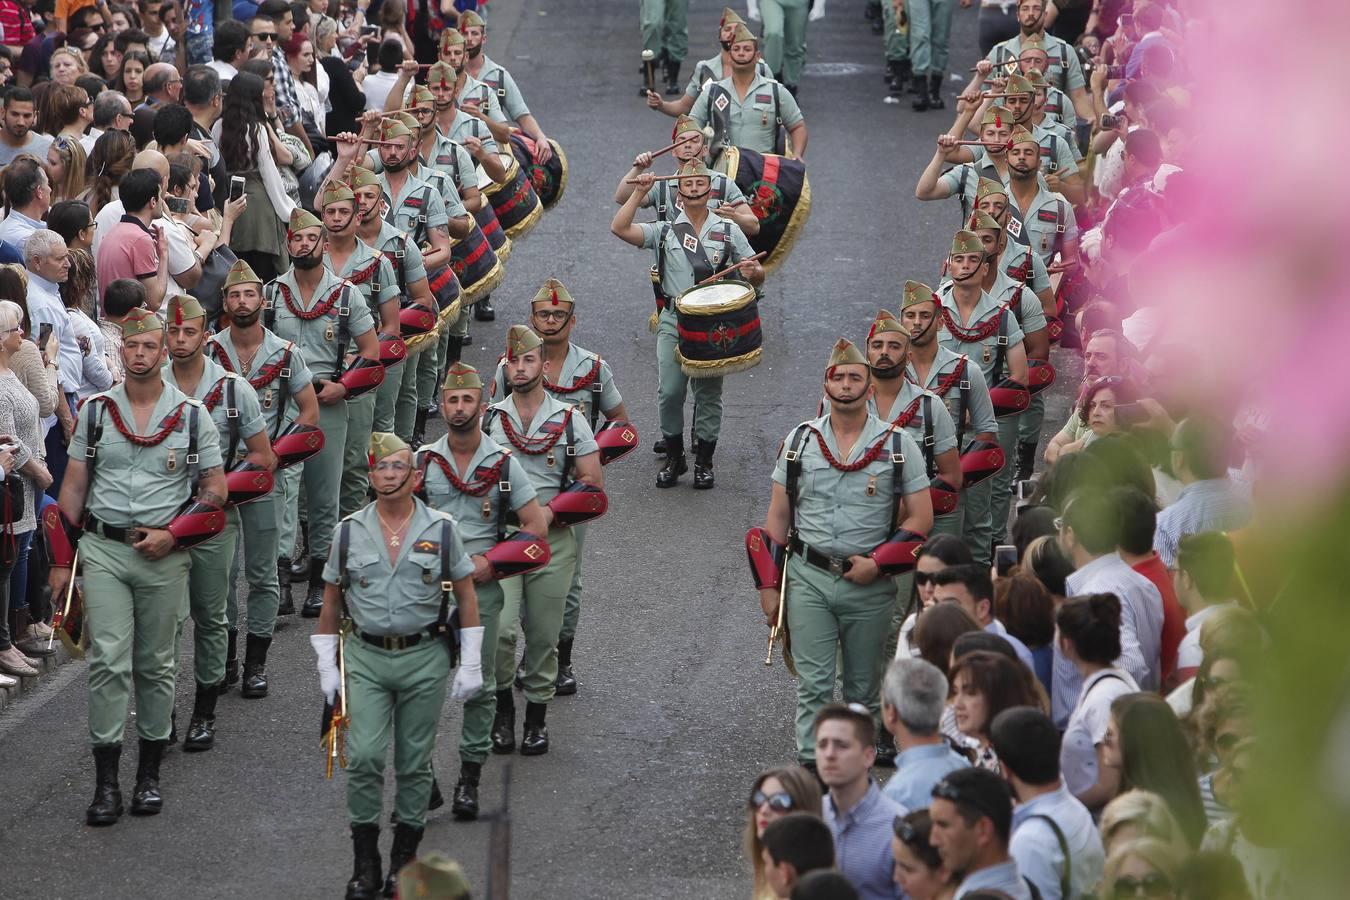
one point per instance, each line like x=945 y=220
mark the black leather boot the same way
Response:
x=885 y=750
x=285 y=604
x=406 y=839
x=201 y=733
x=566 y=685
x=535 y=740
x=504 y=724
x=231 y=661
x=676 y=464
x=900 y=71
x=483 y=311
x=703 y=467
x=935 y=100
x=173 y=728
x=672 y=70
x=921 y=103
x=437 y=799
x=465 y=808
x=255 y=666
x=454 y=349
x=146 y=799
x=314 y=596
x=365 y=883
x=1026 y=462
x=419 y=435
x=107 y=806
x=659 y=446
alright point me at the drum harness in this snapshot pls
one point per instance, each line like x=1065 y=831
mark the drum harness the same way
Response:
x=565 y=475
x=793 y=457
x=268 y=374
x=344 y=318
x=721 y=122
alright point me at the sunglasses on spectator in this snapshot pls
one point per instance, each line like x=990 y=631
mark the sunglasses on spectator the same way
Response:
x=780 y=802
x=922 y=578
x=1152 y=885
x=265 y=36
x=906 y=832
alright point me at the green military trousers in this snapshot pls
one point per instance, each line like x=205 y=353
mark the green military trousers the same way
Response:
x=398 y=694
x=572 y=611
x=389 y=393
x=1001 y=501
x=784 y=39
x=537 y=600
x=208 y=591
x=1029 y=422
x=321 y=475
x=930 y=28
x=131 y=607
x=410 y=397
x=896 y=39
x=665 y=28
x=673 y=384
x=355 y=475
x=831 y=618
x=258 y=550
x=475 y=736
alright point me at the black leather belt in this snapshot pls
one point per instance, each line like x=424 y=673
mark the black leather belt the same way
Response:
x=114 y=532
x=394 y=641
x=835 y=565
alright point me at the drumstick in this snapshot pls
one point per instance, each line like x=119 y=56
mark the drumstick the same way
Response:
x=656 y=178
x=670 y=147
x=361 y=140
x=648 y=64
x=729 y=269
x=983 y=144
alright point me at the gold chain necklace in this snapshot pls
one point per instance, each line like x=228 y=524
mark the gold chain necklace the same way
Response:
x=394 y=539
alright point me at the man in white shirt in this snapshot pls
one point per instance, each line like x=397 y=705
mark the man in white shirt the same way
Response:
x=970 y=587
x=1204 y=584
x=1054 y=841
x=230 y=49
x=29 y=194
x=377 y=85
x=1088 y=533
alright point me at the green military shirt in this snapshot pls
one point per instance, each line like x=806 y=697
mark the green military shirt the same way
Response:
x=1048 y=222
x=275 y=390
x=451 y=159
x=476 y=517
x=474 y=91
x=134 y=485
x=244 y=420
x=846 y=513
x=1049 y=126
x=580 y=367
x=917 y=426
x=966 y=398
x=1058 y=107
x=544 y=468
x=1057 y=153
x=1013 y=262
x=371 y=272
x=504 y=86
x=418 y=207
x=1021 y=299
x=723 y=243
x=1063 y=71
x=401 y=597
x=664 y=196
x=403 y=253
x=983 y=352
x=465 y=126
x=752 y=122
x=962 y=180
x=317 y=338
x=709 y=70
x=445 y=184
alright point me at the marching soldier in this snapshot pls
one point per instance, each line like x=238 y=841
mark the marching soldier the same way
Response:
x=410 y=276
x=233 y=407
x=688 y=250
x=973 y=324
x=490 y=73
x=848 y=528
x=724 y=197
x=930 y=28
x=395 y=567
x=963 y=178
x=1064 y=71
x=921 y=413
x=580 y=378
x=665 y=32
x=139 y=453
x=557 y=449
x=785 y=38
x=952 y=378
x=1039 y=218
x=1059 y=157
x=276 y=370
x=326 y=318
x=477 y=481
x=372 y=274
x=746 y=109
x=706 y=71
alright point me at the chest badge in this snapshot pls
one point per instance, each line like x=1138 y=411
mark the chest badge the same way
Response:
x=871 y=490
x=988 y=355
x=721 y=103
x=487 y=510
x=690 y=243
x=328 y=333
x=171 y=462
x=1014 y=226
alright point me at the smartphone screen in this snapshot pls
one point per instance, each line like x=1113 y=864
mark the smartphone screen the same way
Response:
x=236 y=187
x=1005 y=557
x=372 y=55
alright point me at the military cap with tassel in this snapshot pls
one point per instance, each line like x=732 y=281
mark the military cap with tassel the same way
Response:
x=730 y=17
x=966 y=242
x=383 y=444
x=982 y=221
x=743 y=34
x=916 y=293
x=521 y=339
x=182 y=307
x=240 y=273
x=988 y=187
x=336 y=192
x=462 y=377
x=141 y=321
x=845 y=353
x=442 y=74
x=886 y=322
x=301 y=219
x=552 y=292
x=471 y=19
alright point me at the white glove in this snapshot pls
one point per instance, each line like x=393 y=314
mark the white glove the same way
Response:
x=817 y=11
x=469 y=677
x=325 y=648
x=754 y=10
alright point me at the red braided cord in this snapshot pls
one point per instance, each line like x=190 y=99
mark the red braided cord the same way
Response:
x=265 y=376
x=479 y=486
x=170 y=424
x=211 y=399
x=973 y=335
x=951 y=378
x=873 y=454
x=580 y=384
x=361 y=276
x=532 y=446
x=907 y=416
x=320 y=309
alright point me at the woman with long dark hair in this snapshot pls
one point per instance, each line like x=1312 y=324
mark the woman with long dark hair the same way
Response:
x=114 y=153
x=131 y=78
x=936 y=554
x=250 y=149
x=1154 y=756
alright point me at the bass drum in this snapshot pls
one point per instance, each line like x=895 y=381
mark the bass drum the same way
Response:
x=514 y=201
x=490 y=226
x=778 y=191
x=549 y=179
x=719 y=330
x=478 y=269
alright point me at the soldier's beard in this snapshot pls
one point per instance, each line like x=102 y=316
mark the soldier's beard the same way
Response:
x=398 y=165
x=309 y=261
x=473 y=52
x=246 y=320
x=529 y=385
x=888 y=373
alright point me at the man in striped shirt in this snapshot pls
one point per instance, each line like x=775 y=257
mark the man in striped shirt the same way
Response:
x=1210 y=501
x=1088 y=533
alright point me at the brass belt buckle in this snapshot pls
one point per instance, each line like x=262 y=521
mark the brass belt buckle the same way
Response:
x=396 y=642
x=837 y=566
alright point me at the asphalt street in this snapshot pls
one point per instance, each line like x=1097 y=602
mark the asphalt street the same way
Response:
x=643 y=791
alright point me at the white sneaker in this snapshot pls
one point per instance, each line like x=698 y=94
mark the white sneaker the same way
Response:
x=7 y=682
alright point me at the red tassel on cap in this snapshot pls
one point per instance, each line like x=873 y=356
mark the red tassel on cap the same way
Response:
x=554 y=296
x=998 y=120
x=178 y=314
x=370 y=458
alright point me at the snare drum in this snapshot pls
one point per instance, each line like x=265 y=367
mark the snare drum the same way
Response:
x=516 y=204
x=491 y=228
x=719 y=330
x=550 y=179
x=475 y=265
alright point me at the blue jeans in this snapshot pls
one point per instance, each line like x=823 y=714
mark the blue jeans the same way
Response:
x=18 y=576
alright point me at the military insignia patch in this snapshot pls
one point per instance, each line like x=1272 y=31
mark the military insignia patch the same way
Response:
x=721 y=103
x=427 y=547
x=690 y=243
